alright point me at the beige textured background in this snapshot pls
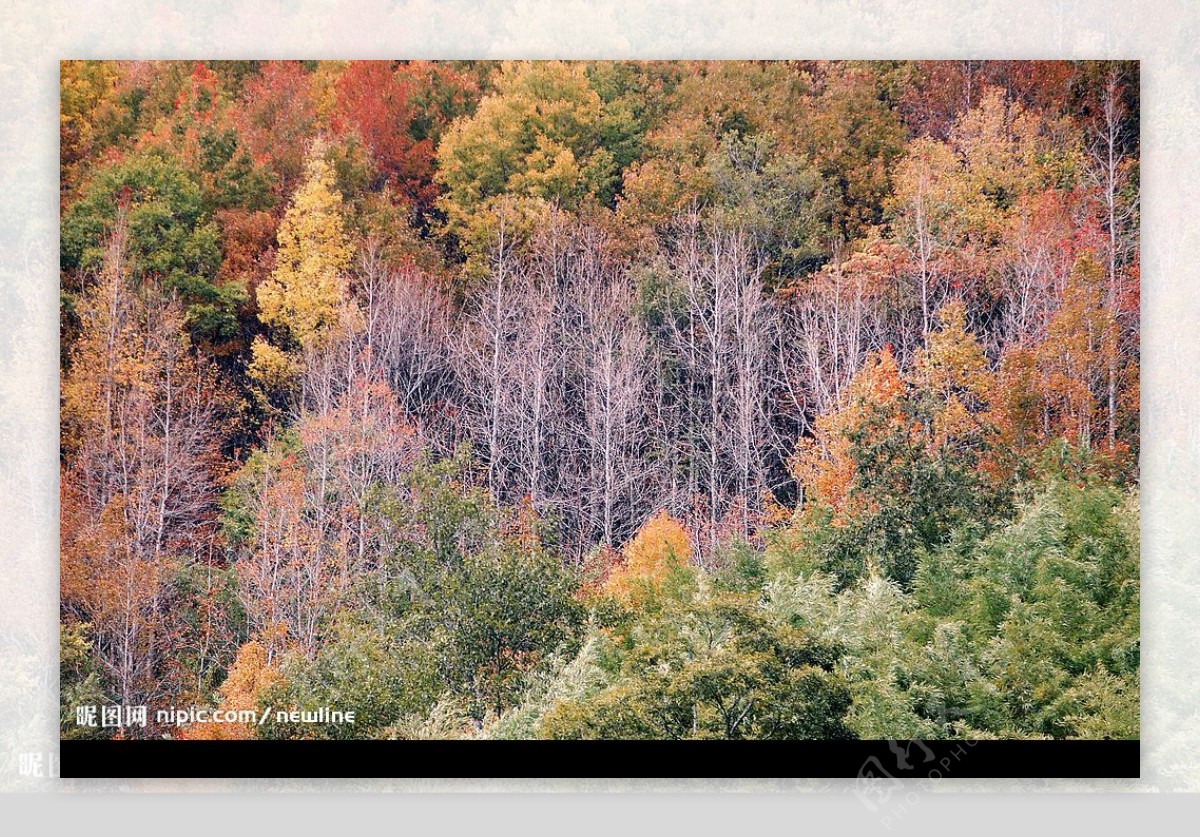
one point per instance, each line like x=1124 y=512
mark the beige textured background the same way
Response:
x=35 y=35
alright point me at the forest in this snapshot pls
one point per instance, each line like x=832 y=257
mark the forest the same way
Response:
x=619 y=400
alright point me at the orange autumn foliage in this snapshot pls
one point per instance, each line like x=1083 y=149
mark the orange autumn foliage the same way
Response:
x=660 y=546
x=1015 y=414
x=1056 y=388
x=823 y=463
x=1081 y=343
x=251 y=675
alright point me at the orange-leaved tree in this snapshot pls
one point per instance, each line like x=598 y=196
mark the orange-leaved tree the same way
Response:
x=251 y=675
x=823 y=464
x=660 y=546
x=1079 y=349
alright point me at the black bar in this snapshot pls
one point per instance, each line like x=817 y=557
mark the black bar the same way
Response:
x=600 y=759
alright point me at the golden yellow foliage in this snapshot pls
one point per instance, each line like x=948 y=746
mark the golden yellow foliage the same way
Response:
x=249 y=677
x=1082 y=344
x=271 y=367
x=823 y=463
x=953 y=370
x=532 y=143
x=307 y=289
x=661 y=545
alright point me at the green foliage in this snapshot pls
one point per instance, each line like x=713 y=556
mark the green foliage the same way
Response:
x=78 y=681
x=170 y=236
x=1029 y=632
x=631 y=94
x=481 y=583
x=778 y=198
x=906 y=505
x=451 y=517
x=541 y=138
x=741 y=568
x=914 y=502
x=212 y=624
x=563 y=679
x=235 y=180
x=381 y=672
x=702 y=665
x=1050 y=605
x=171 y=241
x=502 y=613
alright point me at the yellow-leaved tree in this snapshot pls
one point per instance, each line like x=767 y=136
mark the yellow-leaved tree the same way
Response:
x=952 y=374
x=249 y=677
x=537 y=140
x=304 y=297
x=660 y=546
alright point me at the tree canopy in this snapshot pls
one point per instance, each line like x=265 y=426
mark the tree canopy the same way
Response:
x=586 y=399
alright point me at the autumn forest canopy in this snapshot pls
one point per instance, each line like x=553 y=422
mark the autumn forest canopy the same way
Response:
x=602 y=399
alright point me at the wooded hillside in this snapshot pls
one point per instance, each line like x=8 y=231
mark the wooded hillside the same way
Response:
x=595 y=399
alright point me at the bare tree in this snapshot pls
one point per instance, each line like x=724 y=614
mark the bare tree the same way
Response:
x=408 y=329
x=610 y=357
x=722 y=343
x=319 y=524
x=1109 y=159
x=142 y=423
x=509 y=357
x=831 y=323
